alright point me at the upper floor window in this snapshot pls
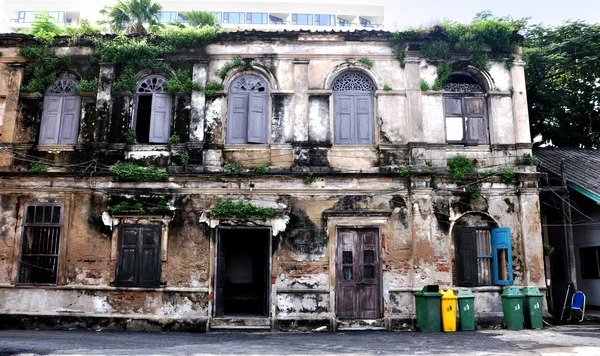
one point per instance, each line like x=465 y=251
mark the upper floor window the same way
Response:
x=343 y=22
x=219 y=16
x=365 y=23
x=465 y=111
x=152 y=118
x=167 y=16
x=138 y=261
x=274 y=20
x=247 y=113
x=181 y=17
x=31 y=16
x=353 y=101
x=233 y=17
x=256 y=17
x=302 y=19
x=40 y=244
x=60 y=119
x=324 y=20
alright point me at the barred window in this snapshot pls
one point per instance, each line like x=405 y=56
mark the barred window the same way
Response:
x=40 y=244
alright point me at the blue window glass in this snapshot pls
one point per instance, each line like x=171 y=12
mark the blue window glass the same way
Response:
x=302 y=19
x=57 y=16
x=219 y=16
x=324 y=20
x=167 y=16
x=365 y=23
x=274 y=20
x=181 y=17
x=256 y=17
x=233 y=17
x=342 y=22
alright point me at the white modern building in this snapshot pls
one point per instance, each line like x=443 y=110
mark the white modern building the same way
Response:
x=340 y=14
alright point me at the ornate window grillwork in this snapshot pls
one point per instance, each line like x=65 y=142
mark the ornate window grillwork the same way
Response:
x=249 y=83
x=152 y=84
x=463 y=88
x=62 y=86
x=353 y=81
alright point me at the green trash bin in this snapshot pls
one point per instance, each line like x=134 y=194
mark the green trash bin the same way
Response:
x=466 y=308
x=532 y=307
x=428 y=305
x=512 y=306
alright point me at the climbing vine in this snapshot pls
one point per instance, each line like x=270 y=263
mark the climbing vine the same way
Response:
x=240 y=209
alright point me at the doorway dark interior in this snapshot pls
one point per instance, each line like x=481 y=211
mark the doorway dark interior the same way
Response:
x=142 y=119
x=243 y=272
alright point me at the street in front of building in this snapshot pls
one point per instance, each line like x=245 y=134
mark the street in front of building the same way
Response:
x=562 y=340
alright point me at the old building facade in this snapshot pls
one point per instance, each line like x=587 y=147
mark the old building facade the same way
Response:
x=309 y=133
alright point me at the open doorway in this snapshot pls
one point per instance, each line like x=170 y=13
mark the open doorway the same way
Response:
x=243 y=272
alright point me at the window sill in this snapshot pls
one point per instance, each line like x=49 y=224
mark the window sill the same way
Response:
x=55 y=148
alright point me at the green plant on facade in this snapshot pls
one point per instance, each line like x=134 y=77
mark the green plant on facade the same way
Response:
x=38 y=167
x=261 y=168
x=433 y=184
x=474 y=192
x=424 y=85
x=230 y=209
x=460 y=166
x=548 y=250
x=182 y=82
x=184 y=159
x=126 y=81
x=42 y=66
x=444 y=70
x=367 y=62
x=507 y=176
x=87 y=86
x=386 y=87
x=309 y=179
x=232 y=167
x=129 y=172
x=129 y=136
x=527 y=160
x=510 y=206
x=429 y=163
x=405 y=172
x=83 y=28
x=237 y=62
x=126 y=206
x=435 y=50
x=174 y=139
x=212 y=87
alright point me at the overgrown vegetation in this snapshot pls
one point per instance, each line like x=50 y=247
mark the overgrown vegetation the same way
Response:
x=129 y=136
x=139 y=207
x=444 y=70
x=424 y=85
x=239 y=209
x=38 y=167
x=126 y=206
x=182 y=82
x=237 y=62
x=232 y=167
x=367 y=62
x=474 y=192
x=460 y=166
x=405 y=172
x=310 y=178
x=548 y=250
x=184 y=159
x=527 y=160
x=507 y=176
x=261 y=168
x=126 y=81
x=87 y=86
x=173 y=140
x=212 y=87
x=129 y=172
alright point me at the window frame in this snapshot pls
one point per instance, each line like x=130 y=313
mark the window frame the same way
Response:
x=464 y=115
x=264 y=18
x=241 y=17
x=231 y=110
x=332 y=19
x=158 y=259
x=61 y=120
x=585 y=272
x=153 y=94
x=172 y=17
x=309 y=18
x=25 y=224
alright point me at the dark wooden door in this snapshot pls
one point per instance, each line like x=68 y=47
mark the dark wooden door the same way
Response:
x=220 y=277
x=358 y=271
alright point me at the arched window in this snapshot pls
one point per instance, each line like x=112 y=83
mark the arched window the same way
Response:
x=353 y=100
x=153 y=110
x=465 y=111
x=60 y=119
x=247 y=113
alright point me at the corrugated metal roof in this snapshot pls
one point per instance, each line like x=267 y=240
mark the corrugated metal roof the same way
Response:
x=582 y=165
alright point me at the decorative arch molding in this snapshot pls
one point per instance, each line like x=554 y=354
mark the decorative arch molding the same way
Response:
x=340 y=69
x=462 y=220
x=482 y=77
x=260 y=71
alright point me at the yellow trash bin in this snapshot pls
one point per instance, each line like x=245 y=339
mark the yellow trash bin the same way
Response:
x=448 y=310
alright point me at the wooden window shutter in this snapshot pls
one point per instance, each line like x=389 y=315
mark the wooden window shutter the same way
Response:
x=127 y=263
x=237 y=119
x=69 y=123
x=149 y=267
x=502 y=257
x=160 y=118
x=50 y=126
x=364 y=118
x=138 y=263
x=257 y=118
x=465 y=241
x=453 y=107
x=475 y=120
x=343 y=119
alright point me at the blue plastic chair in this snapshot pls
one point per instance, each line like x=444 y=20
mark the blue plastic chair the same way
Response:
x=577 y=303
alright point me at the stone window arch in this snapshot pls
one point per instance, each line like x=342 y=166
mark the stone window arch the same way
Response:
x=353 y=106
x=248 y=110
x=465 y=108
x=152 y=121
x=60 y=118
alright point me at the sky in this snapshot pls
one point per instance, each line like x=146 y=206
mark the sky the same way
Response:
x=413 y=13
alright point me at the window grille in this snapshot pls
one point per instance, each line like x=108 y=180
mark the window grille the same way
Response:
x=63 y=86
x=353 y=81
x=40 y=244
x=248 y=83
x=152 y=84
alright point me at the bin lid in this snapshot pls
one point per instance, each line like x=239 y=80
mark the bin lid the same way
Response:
x=429 y=291
x=465 y=293
x=532 y=292
x=511 y=292
x=448 y=295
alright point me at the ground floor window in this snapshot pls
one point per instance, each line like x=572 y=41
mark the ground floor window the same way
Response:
x=589 y=257
x=483 y=256
x=138 y=260
x=40 y=244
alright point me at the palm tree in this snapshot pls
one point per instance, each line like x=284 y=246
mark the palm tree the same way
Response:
x=201 y=18
x=132 y=16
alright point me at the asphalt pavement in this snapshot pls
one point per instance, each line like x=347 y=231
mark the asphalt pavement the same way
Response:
x=576 y=340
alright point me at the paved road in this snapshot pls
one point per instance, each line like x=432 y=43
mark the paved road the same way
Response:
x=582 y=340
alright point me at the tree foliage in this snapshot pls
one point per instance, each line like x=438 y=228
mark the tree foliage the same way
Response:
x=132 y=16
x=198 y=18
x=44 y=23
x=563 y=83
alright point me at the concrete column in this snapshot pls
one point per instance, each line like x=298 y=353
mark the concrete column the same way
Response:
x=531 y=237
x=519 y=101
x=412 y=73
x=300 y=103
x=104 y=101
x=199 y=76
x=8 y=123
